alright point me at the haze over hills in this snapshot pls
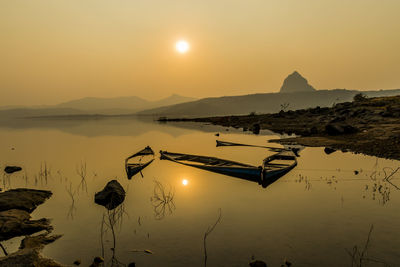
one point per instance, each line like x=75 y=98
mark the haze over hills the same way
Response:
x=295 y=93
x=121 y=105
x=94 y=105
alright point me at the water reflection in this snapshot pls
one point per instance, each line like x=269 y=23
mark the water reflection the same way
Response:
x=111 y=222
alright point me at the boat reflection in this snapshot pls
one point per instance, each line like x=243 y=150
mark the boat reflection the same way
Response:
x=134 y=168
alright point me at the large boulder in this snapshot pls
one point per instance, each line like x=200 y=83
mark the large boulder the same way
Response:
x=296 y=83
x=111 y=196
x=23 y=199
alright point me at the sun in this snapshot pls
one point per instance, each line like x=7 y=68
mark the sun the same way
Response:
x=182 y=46
x=185 y=182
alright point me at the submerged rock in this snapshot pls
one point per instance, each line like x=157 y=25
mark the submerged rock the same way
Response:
x=257 y=264
x=12 y=169
x=23 y=199
x=97 y=261
x=111 y=196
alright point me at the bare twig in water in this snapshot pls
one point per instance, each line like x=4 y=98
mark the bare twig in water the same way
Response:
x=112 y=219
x=389 y=176
x=359 y=258
x=162 y=200
x=44 y=172
x=81 y=171
x=209 y=231
x=72 y=208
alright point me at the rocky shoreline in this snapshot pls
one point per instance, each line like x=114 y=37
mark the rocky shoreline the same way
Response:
x=15 y=220
x=369 y=126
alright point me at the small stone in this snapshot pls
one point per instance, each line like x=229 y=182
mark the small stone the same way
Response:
x=257 y=263
x=77 y=262
x=329 y=150
x=12 y=169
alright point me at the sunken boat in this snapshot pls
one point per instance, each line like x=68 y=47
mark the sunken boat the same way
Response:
x=133 y=168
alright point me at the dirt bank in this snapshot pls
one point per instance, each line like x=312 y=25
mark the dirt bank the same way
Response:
x=367 y=125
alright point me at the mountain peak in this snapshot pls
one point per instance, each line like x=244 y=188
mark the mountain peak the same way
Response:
x=296 y=83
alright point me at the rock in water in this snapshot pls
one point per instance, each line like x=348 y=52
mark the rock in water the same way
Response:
x=111 y=196
x=329 y=150
x=12 y=169
x=23 y=199
x=296 y=83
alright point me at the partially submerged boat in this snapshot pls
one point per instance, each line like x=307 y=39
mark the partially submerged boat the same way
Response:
x=295 y=148
x=277 y=165
x=274 y=166
x=222 y=166
x=226 y=143
x=134 y=168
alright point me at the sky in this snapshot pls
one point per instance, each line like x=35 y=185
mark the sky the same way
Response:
x=53 y=51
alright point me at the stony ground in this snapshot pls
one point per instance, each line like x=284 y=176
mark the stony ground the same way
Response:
x=367 y=125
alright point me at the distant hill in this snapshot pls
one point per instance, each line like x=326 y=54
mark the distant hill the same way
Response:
x=295 y=93
x=295 y=83
x=121 y=105
x=261 y=103
x=37 y=112
x=92 y=105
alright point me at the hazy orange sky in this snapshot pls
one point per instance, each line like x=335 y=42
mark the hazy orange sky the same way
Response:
x=56 y=50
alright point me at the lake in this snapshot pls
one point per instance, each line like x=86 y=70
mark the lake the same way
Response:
x=310 y=216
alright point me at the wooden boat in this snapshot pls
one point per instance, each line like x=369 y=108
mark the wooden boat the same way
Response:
x=226 y=143
x=277 y=165
x=295 y=148
x=222 y=166
x=134 y=168
x=273 y=168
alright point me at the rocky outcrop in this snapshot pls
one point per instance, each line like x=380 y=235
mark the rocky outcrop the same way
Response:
x=17 y=223
x=295 y=83
x=111 y=196
x=370 y=126
x=29 y=253
x=23 y=199
x=15 y=220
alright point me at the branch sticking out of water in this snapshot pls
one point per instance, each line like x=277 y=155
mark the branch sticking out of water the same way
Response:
x=209 y=231
x=359 y=258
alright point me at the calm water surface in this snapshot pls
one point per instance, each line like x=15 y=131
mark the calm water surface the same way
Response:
x=309 y=217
